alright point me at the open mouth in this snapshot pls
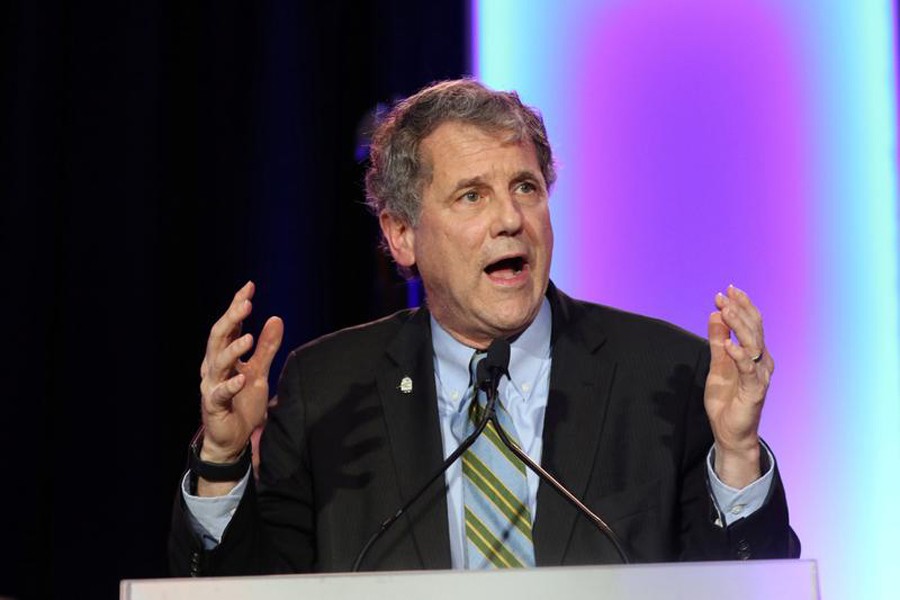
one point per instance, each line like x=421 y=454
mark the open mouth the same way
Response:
x=507 y=268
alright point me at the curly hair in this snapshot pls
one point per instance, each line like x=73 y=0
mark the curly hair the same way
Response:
x=397 y=173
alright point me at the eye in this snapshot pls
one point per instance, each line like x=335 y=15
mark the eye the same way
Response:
x=471 y=197
x=526 y=187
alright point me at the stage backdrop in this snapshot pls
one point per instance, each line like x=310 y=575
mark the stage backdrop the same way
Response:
x=751 y=142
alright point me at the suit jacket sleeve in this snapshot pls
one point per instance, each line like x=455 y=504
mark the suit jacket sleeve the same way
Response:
x=342 y=449
x=272 y=534
x=626 y=430
x=764 y=534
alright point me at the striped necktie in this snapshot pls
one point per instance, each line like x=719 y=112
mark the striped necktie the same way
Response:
x=498 y=522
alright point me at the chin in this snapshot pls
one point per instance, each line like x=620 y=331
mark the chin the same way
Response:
x=514 y=322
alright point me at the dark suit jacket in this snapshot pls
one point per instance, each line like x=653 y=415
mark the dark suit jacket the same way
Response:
x=625 y=430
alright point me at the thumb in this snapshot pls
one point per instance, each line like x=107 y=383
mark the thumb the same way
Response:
x=221 y=395
x=718 y=334
x=269 y=342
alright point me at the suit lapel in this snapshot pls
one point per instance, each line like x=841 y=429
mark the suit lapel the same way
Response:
x=576 y=409
x=407 y=390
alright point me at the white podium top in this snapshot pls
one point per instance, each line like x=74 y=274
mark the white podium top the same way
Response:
x=750 y=580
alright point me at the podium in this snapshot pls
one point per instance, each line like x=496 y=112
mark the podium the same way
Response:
x=750 y=580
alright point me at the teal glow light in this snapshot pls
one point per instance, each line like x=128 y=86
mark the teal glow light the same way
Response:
x=510 y=50
x=853 y=43
x=827 y=279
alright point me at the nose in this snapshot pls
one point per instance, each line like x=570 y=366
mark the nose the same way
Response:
x=507 y=215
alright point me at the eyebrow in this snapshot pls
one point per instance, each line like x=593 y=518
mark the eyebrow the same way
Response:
x=478 y=180
x=525 y=174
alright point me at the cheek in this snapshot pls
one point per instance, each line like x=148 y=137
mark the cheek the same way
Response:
x=543 y=230
x=440 y=255
x=463 y=244
x=547 y=225
x=451 y=251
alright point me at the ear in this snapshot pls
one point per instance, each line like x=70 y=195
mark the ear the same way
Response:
x=400 y=237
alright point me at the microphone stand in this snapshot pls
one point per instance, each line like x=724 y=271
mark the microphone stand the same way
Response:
x=489 y=410
x=498 y=362
x=544 y=475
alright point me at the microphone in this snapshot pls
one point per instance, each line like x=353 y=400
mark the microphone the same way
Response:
x=489 y=374
x=490 y=370
x=493 y=366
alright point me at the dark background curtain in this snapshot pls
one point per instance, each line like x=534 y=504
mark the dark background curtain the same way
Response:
x=155 y=156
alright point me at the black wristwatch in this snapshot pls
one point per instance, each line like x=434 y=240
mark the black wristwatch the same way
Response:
x=216 y=471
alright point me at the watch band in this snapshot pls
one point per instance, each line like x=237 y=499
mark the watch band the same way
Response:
x=216 y=471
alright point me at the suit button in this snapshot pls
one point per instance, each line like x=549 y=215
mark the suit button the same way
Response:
x=743 y=550
x=195 y=564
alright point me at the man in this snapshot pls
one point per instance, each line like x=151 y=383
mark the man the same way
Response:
x=652 y=428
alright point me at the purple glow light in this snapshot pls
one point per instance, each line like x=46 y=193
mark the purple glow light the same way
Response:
x=705 y=142
x=699 y=161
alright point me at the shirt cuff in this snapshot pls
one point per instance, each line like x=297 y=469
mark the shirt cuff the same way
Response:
x=210 y=515
x=734 y=504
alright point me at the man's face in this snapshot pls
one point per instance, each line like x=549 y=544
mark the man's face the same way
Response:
x=484 y=241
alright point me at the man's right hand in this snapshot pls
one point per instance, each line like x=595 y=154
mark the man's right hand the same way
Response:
x=234 y=393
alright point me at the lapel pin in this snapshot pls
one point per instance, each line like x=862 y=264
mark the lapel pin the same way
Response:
x=406 y=385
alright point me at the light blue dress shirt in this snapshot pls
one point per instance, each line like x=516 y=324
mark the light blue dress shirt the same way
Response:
x=524 y=394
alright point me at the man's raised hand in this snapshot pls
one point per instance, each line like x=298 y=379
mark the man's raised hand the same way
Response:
x=736 y=387
x=234 y=393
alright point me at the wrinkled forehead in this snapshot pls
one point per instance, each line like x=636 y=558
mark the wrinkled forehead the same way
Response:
x=505 y=135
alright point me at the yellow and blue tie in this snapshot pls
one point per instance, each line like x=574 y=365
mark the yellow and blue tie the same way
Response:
x=495 y=489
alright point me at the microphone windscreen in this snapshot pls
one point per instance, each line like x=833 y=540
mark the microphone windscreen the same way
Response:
x=498 y=355
x=496 y=363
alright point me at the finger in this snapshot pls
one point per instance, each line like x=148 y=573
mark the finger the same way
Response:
x=718 y=334
x=228 y=326
x=240 y=300
x=756 y=322
x=742 y=359
x=727 y=308
x=740 y=321
x=223 y=364
x=741 y=297
x=269 y=342
x=220 y=395
x=739 y=308
x=747 y=329
x=721 y=300
x=744 y=306
x=752 y=373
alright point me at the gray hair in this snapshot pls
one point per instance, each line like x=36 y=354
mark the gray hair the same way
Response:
x=397 y=173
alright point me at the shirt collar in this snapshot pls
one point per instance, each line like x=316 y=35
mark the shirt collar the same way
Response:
x=527 y=353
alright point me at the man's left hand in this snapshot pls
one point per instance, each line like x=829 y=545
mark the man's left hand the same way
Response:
x=739 y=375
